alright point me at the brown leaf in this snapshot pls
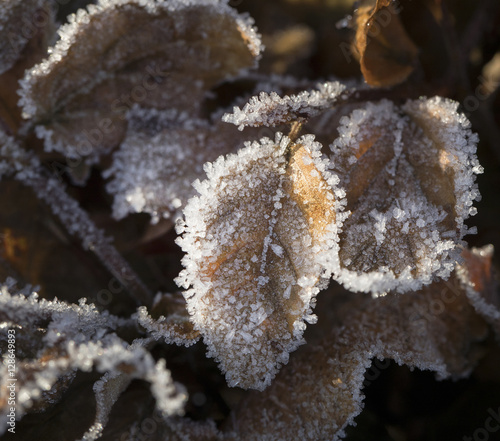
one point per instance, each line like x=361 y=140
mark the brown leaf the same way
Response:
x=256 y=239
x=121 y=53
x=433 y=329
x=387 y=55
x=409 y=179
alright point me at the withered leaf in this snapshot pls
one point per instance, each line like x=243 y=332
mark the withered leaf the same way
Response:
x=256 y=239
x=273 y=110
x=386 y=53
x=162 y=154
x=409 y=178
x=73 y=337
x=124 y=52
x=433 y=329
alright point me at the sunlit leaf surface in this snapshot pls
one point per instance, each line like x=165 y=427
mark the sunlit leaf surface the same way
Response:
x=255 y=239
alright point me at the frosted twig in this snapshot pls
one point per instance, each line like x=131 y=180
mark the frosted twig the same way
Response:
x=28 y=170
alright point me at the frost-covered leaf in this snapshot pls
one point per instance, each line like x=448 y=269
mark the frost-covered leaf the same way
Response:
x=170 y=397
x=409 y=178
x=161 y=54
x=41 y=326
x=269 y=109
x=255 y=239
x=70 y=338
x=433 y=329
x=161 y=156
x=386 y=52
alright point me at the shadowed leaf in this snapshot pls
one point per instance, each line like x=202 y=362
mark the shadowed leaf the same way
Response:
x=408 y=329
x=124 y=52
x=161 y=156
x=74 y=337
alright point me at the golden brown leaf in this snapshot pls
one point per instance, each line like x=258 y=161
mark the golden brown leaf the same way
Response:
x=256 y=239
x=387 y=54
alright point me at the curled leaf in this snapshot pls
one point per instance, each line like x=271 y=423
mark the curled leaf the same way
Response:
x=386 y=52
x=107 y=390
x=409 y=178
x=255 y=239
x=122 y=52
x=70 y=338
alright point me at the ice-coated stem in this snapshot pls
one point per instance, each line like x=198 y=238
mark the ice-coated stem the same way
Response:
x=29 y=171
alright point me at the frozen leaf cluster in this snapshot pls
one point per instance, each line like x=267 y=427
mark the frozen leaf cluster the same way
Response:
x=392 y=198
x=398 y=327
x=74 y=100
x=363 y=188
